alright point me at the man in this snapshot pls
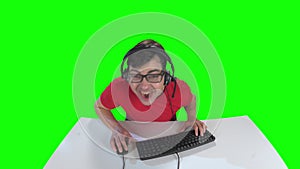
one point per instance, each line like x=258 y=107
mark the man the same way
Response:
x=147 y=92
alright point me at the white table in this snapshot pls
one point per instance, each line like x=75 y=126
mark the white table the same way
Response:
x=239 y=144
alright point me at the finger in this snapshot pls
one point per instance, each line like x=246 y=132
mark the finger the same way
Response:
x=203 y=125
x=123 y=142
x=112 y=144
x=201 y=129
x=196 y=129
x=118 y=143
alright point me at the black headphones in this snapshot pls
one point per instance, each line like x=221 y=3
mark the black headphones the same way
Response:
x=167 y=76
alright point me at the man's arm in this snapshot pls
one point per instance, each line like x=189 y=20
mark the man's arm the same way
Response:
x=106 y=116
x=191 y=109
x=192 y=121
x=119 y=133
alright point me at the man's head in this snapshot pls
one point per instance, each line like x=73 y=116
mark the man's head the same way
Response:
x=146 y=69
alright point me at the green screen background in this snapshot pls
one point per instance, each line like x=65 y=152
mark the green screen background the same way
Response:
x=258 y=44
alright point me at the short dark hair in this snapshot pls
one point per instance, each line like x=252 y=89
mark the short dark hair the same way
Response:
x=145 y=51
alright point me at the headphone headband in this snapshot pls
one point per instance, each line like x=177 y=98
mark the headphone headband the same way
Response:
x=147 y=47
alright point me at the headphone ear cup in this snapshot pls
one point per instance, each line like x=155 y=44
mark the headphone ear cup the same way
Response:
x=125 y=75
x=167 y=79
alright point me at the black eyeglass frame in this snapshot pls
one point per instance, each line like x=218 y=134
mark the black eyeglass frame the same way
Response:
x=162 y=73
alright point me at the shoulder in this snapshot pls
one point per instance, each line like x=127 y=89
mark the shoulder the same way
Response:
x=182 y=84
x=179 y=81
x=182 y=92
x=119 y=82
x=178 y=87
x=117 y=85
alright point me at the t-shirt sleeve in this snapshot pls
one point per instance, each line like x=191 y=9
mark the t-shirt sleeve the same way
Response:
x=107 y=98
x=186 y=94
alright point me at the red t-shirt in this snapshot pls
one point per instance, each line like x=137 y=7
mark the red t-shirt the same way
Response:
x=119 y=93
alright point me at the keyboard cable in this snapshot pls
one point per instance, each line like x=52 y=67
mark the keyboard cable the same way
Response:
x=178 y=159
x=123 y=162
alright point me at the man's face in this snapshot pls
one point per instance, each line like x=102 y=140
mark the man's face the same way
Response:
x=146 y=91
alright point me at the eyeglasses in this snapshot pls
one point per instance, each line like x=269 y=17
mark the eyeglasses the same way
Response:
x=151 y=78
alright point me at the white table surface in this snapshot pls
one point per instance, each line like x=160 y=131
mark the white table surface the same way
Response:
x=239 y=144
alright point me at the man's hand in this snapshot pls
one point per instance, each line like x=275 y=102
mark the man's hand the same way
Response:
x=196 y=125
x=118 y=138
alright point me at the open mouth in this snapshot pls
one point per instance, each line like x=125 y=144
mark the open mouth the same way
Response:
x=145 y=95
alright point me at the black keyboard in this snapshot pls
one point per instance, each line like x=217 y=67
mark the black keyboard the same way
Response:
x=168 y=145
